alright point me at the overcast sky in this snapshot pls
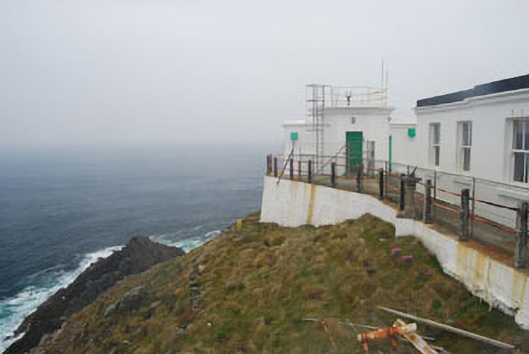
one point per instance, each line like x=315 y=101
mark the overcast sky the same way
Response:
x=130 y=71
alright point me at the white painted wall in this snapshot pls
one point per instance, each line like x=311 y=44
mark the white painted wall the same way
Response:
x=292 y=203
x=491 y=157
x=404 y=147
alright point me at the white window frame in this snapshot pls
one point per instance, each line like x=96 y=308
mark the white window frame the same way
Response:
x=521 y=150
x=435 y=146
x=463 y=146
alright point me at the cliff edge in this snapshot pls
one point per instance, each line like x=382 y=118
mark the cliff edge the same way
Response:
x=137 y=256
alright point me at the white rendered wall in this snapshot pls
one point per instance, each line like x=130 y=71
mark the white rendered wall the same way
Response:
x=404 y=147
x=491 y=158
x=292 y=203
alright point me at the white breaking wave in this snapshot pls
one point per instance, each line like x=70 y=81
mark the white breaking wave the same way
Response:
x=14 y=310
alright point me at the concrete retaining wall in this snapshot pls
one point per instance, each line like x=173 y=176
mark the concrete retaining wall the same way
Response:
x=292 y=203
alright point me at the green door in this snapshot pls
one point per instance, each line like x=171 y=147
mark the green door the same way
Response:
x=354 y=143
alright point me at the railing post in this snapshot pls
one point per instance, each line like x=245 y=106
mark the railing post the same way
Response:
x=434 y=193
x=275 y=166
x=381 y=184
x=268 y=165
x=333 y=174
x=309 y=172
x=401 y=194
x=520 y=243
x=464 y=214
x=299 y=170
x=359 y=179
x=292 y=169
x=427 y=210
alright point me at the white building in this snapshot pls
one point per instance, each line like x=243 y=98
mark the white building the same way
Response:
x=476 y=139
x=346 y=124
x=479 y=135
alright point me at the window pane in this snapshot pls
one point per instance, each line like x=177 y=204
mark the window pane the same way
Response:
x=436 y=133
x=518 y=174
x=436 y=155
x=466 y=159
x=464 y=134
x=517 y=142
x=526 y=135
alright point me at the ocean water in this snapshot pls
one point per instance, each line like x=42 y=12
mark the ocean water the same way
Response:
x=62 y=209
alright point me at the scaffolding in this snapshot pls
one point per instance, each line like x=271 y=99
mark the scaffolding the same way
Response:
x=321 y=97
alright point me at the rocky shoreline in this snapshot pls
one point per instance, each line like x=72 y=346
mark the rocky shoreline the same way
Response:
x=137 y=256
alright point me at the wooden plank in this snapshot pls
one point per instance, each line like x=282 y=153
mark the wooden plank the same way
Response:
x=416 y=340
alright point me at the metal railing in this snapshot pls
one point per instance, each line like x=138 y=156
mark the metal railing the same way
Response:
x=467 y=206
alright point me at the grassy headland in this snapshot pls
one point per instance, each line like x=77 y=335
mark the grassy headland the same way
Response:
x=257 y=284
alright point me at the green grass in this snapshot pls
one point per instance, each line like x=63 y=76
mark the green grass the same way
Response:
x=258 y=283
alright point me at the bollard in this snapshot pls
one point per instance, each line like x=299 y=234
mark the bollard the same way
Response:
x=520 y=243
x=464 y=214
x=410 y=184
x=401 y=194
x=291 y=169
x=359 y=179
x=299 y=170
x=333 y=174
x=309 y=172
x=427 y=210
x=381 y=184
x=268 y=165
x=275 y=166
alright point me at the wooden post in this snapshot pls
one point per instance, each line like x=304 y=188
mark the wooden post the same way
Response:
x=333 y=174
x=520 y=243
x=381 y=184
x=309 y=172
x=292 y=169
x=427 y=210
x=464 y=214
x=275 y=166
x=359 y=179
x=401 y=194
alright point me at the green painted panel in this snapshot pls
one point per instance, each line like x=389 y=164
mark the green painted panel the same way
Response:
x=411 y=132
x=354 y=144
x=293 y=136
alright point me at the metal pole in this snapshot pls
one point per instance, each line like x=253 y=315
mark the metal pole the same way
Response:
x=464 y=214
x=473 y=206
x=275 y=166
x=427 y=211
x=359 y=180
x=299 y=170
x=291 y=169
x=434 y=193
x=381 y=184
x=520 y=243
x=333 y=174
x=401 y=193
x=387 y=176
x=309 y=175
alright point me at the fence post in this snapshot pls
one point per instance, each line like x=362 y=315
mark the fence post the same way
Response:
x=464 y=214
x=292 y=169
x=268 y=165
x=401 y=194
x=359 y=179
x=309 y=172
x=381 y=184
x=275 y=166
x=299 y=170
x=333 y=174
x=427 y=210
x=473 y=209
x=520 y=243
x=434 y=193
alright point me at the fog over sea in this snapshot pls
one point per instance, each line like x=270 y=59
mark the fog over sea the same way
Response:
x=62 y=209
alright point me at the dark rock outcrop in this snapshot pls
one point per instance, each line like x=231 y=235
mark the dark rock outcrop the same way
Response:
x=137 y=256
